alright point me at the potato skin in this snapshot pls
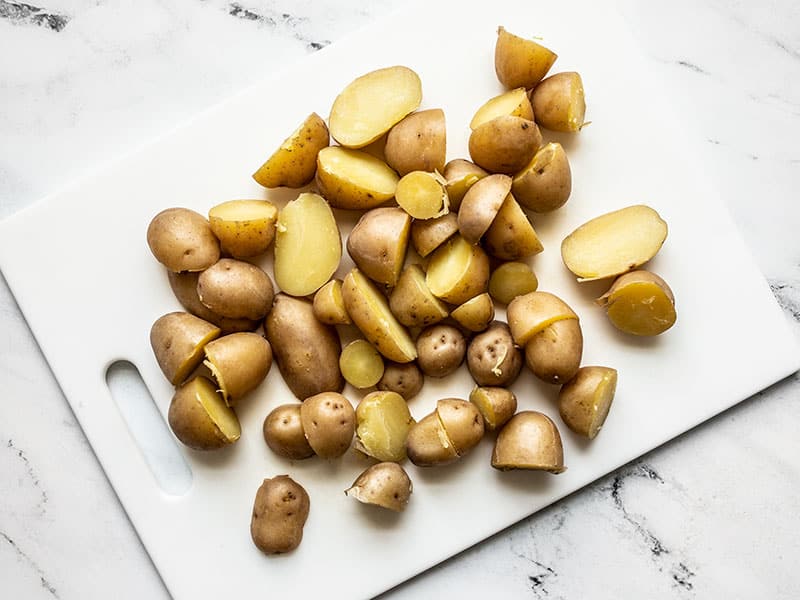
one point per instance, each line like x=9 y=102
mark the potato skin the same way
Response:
x=329 y=423
x=294 y=163
x=546 y=182
x=473 y=280
x=280 y=511
x=511 y=235
x=283 y=433
x=239 y=363
x=182 y=240
x=584 y=401
x=177 y=340
x=189 y=420
x=558 y=102
x=496 y=404
x=405 y=379
x=475 y=314
x=504 y=144
x=329 y=304
x=413 y=303
x=418 y=142
x=530 y=440
x=378 y=243
x=184 y=286
x=427 y=444
x=307 y=351
x=462 y=422
x=554 y=354
x=492 y=357
x=236 y=289
x=480 y=206
x=429 y=234
x=386 y=485
x=240 y=232
x=519 y=62
x=440 y=349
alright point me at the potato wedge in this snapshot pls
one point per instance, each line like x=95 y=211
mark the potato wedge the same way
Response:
x=418 y=142
x=475 y=314
x=429 y=234
x=510 y=280
x=329 y=304
x=640 y=303
x=382 y=425
x=511 y=235
x=514 y=103
x=480 y=206
x=354 y=180
x=559 y=103
x=199 y=417
x=460 y=174
x=530 y=440
x=457 y=271
x=361 y=364
x=519 y=62
x=413 y=303
x=378 y=243
x=422 y=195
x=239 y=363
x=245 y=228
x=294 y=163
x=584 y=401
x=546 y=182
x=504 y=144
x=177 y=340
x=531 y=313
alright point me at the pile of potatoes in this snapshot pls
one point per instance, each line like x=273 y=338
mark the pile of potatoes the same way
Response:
x=438 y=246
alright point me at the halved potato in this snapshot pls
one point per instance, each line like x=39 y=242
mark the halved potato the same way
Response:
x=554 y=354
x=199 y=417
x=640 y=303
x=386 y=485
x=283 y=433
x=413 y=303
x=514 y=103
x=422 y=195
x=429 y=234
x=511 y=235
x=457 y=271
x=354 y=180
x=559 y=103
x=236 y=289
x=294 y=163
x=462 y=422
x=584 y=401
x=418 y=142
x=239 y=363
x=329 y=304
x=476 y=313
x=184 y=286
x=480 y=206
x=531 y=313
x=519 y=62
x=177 y=340
x=460 y=174
x=510 y=280
x=530 y=440
x=361 y=364
x=505 y=144
x=383 y=422
x=244 y=228
x=378 y=243
x=427 y=443
x=496 y=404
x=546 y=182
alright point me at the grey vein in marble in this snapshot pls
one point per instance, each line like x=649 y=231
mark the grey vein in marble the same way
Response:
x=788 y=295
x=27 y=14
x=33 y=565
x=273 y=19
x=31 y=475
x=691 y=66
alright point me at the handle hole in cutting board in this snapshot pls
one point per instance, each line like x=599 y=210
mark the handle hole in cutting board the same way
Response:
x=148 y=428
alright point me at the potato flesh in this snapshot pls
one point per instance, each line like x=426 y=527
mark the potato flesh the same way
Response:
x=383 y=422
x=545 y=183
x=329 y=305
x=614 y=243
x=199 y=417
x=511 y=235
x=640 y=307
x=480 y=206
x=496 y=404
x=177 y=340
x=245 y=228
x=458 y=271
x=422 y=195
x=514 y=103
x=476 y=313
x=510 y=280
x=219 y=411
x=361 y=365
x=354 y=180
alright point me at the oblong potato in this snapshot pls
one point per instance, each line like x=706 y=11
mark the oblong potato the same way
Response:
x=354 y=180
x=492 y=357
x=511 y=235
x=530 y=313
x=329 y=422
x=505 y=144
x=279 y=513
x=199 y=417
x=422 y=195
x=413 y=303
x=283 y=433
x=457 y=271
x=177 y=340
x=640 y=303
x=386 y=485
x=584 y=401
x=239 y=363
x=294 y=163
x=236 y=289
x=519 y=62
x=418 y=142
x=546 y=182
x=461 y=175
x=429 y=234
x=510 y=280
x=554 y=354
x=383 y=422
x=182 y=240
x=184 y=286
x=559 y=103
x=514 y=103
x=371 y=105
x=530 y=440
x=475 y=314
x=480 y=206
x=244 y=228
x=329 y=304
x=378 y=243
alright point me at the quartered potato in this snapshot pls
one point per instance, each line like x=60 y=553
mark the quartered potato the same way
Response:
x=184 y=286
x=329 y=304
x=372 y=104
x=429 y=234
x=492 y=357
x=418 y=142
x=457 y=271
x=554 y=353
x=383 y=422
x=413 y=303
x=386 y=485
x=294 y=163
x=244 y=228
x=177 y=340
x=559 y=103
x=422 y=195
x=378 y=243
x=546 y=182
x=476 y=313
x=239 y=363
x=361 y=364
x=283 y=433
x=236 y=289
x=504 y=144
x=519 y=62
x=584 y=401
x=514 y=103
x=531 y=313
x=530 y=440
x=480 y=206
x=329 y=423
x=510 y=280
x=460 y=174
x=354 y=180
x=640 y=303
x=511 y=235
x=279 y=513
x=403 y=378
x=182 y=240
x=440 y=350
x=496 y=404
x=199 y=417
x=614 y=243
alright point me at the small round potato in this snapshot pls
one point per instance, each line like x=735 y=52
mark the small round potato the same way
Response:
x=554 y=354
x=413 y=303
x=329 y=422
x=329 y=304
x=480 y=205
x=496 y=404
x=492 y=357
x=239 y=362
x=475 y=314
x=505 y=144
x=559 y=104
x=361 y=364
x=530 y=440
x=584 y=401
x=546 y=183
x=283 y=433
x=457 y=271
x=462 y=422
x=640 y=303
x=440 y=349
x=280 y=511
x=199 y=417
x=519 y=62
x=429 y=234
x=383 y=422
x=236 y=289
x=182 y=240
x=386 y=485
x=418 y=142
x=244 y=228
x=378 y=243
x=403 y=378
x=461 y=175
x=427 y=443
x=510 y=280
x=511 y=235
x=184 y=286
x=177 y=340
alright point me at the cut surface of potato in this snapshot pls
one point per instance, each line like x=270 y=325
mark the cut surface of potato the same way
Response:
x=520 y=62
x=510 y=280
x=386 y=485
x=382 y=425
x=244 y=228
x=496 y=404
x=422 y=195
x=418 y=142
x=294 y=163
x=329 y=304
x=584 y=401
x=504 y=144
x=514 y=103
x=559 y=103
x=177 y=340
x=354 y=180
x=511 y=235
x=476 y=313
x=480 y=206
x=530 y=440
x=457 y=271
x=378 y=243
x=361 y=364
x=371 y=104
x=640 y=303
x=614 y=243
x=533 y=312
x=199 y=417
x=546 y=182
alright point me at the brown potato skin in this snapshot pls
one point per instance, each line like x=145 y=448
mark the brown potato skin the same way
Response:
x=413 y=303
x=295 y=167
x=329 y=423
x=429 y=234
x=480 y=206
x=545 y=184
x=505 y=144
x=496 y=404
x=329 y=304
x=283 y=433
x=405 y=379
x=418 y=142
x=182 y=240
x=378 y=243
x=530 y=440
x=189 y=421
x=236 y=289
x=280 y=511
x=307 y=351
x=475 y=314
x=551 y=100
x=240 y=360
x=177 y=340
x=492 y=357
x=511 y=235
x=441 y=349
x=386 y=485
x=427 y=444
x=580 y=408
x=554 y=354
x=184 y=286
x=519 y=62
x=243 y=238
x=462 y=422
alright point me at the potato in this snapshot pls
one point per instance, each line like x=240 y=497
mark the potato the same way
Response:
x=361 y=365
x=294 y=163
x=531 y=313
x=514 y=103
x=386 y=485
x=554 y=354
x=236 y=289
x=640 y=303
x=480 y=205
x=440 y=349
x=329 y=423
x=182 y=240
x=530 y=440
x=283 y=433
x=418 y=142
x=492 y=357
x=422 y=195
x=354 y=180
x=496 y=405
x=511 y=235
x=308 y=245
x=429 y=234
x=239 y=363
x=383 y=423
x=584 y=401
x=244 y=228
x=504 y=144
x=427 y=444
x=413 y=303
x=614 y=243
x=378 y=243
x=546 y=182
x=519 y=62
x=280 y=511
x=370 y=312
x=457 y=271
x=403 y=378
x=199 y=417
x=559 y=103
x=510 y=280
x=184 y=286
x=371 y=105
x=307 y=351
x=329 y=304
x=177 y=340
x=476 y=313
x=461 y=175
x=462 y=422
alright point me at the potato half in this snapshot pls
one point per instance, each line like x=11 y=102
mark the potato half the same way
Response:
x=245 y=228
x=519 y=62
x=546 y=182
x=510 y=280
x=505 y=144
x=177 y=340
x=462 y=422
x=496 y=404
x=429 y=234
x=199 y=417
x=475 y=314
x=461 y=175
x=283 y=433
x=457 y=271
x=354 y=180
x=559 y=103
x=511 y=235
x=386 y=485
x=279 y=513
x=378 y=243
x=531 y=313
x=236 y=289
x=382 y=425
x=530 y=440
x=480 y=206
x=329 y=304
x=640 y=303
x=584 y=401
x=239 y=363
x=422 y=195
x=554 y=354
x=514 y=103
x=182 y=240
x=427 y=443
x=361 y=364
x=329 y=422
x=418 y=142
x=184 y=286
x=413 y=303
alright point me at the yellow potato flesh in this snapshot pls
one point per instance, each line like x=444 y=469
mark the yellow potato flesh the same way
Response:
x=216 y=408
x=585 y=400
x=458 y=271
x=383 y=422
x=370 y=105
x=422 y=195
x=559 y=103
x=510 y=280
x=514 y=103
x=641 y=308
x=351 y=179
x=361 y=365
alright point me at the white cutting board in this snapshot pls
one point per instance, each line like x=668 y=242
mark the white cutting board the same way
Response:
x=81 y=271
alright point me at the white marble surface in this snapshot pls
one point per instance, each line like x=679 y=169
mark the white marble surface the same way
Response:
x=712 y=514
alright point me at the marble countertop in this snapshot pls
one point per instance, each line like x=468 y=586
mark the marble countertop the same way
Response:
x=711 y=514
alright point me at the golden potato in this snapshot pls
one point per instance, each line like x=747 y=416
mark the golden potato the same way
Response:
x=294 y=163
x=496 y=404
x=236 y=289
x=361 y=364
x=182 y=240
x=457 y=271
x=378 y=243
x=514 y=103
x=386 y=485
x=403 y=378
x=492 y=357
x=329 y=304
x=530 y=313
x=244 y=228
x=239 y=363
x=640 y=303
x=554 y=353
x=475 y=314
x=199 y=417
x=422 y=195
x=418 y=142
x=462 y=423
x=559 y=103
x=510 y=280
x=530 y=440
x=429 y=234
x=546 y=182
x=177 y=340
x=383 y=422
x=354 y=180
x=440 y=350
x=280 y=511
x=511 y=235
x=283 y=433
x=413 y=303
x=504 y=144
x=329 y=423
x=480 y=205
x=461 y=175
x=519 y=62
x=184 y=286
x=584 y=401
x=427 y=444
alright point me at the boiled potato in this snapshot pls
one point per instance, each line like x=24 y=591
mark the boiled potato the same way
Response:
x=177 y=340
x=614 y=243
x=403 y=378
x=510 y=280
x=519 y=62
x=480 y=206
x=462 y=422
x=361 y=364
x=475 y=314
x=492 y=357
x=546 y=182
x=307 y=351
x=457 y=271
x=559 y=103
x=496 y=404
x=372 y=104
x=283 y=433
x=329 y=423
x=584 y=401
x=239 y=363
x=514 y=103
x=308 y=245
x=199 y=417
x=429 y=234
x=383 y=422
x=378 y=243
x=554 y=353
x=418 y=142
x=236 y=289
x=279 y=513
x=460 y=174
x=422 y=195
x=182 y=240
x=640 y=303
x=294 y=163
x=440 y=350
x=511 y=235
x=184 y=286
x=370 y=312
x=413 y=303
x=504 y=144
x=530 y=440
x=354 y=180
x=329 y=304
x=531 y=313
x=427 y=444
x=386 y=485
x=244 y=228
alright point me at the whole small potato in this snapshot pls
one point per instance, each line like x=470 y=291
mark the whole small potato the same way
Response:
x=496 y=404
x=413 y=303
x=559 y=103
x=584 y=401
x=475 y=314
x=177 y=340
x=294 y=163
x=283 y=433
x=418 y=142
x=403 y=378
x=530 y=440
x=440 y=349
x=244 y=228
x=505 y=144
x=520 y=62
x=457 y=271
x=199 y=417
x=236 y=289
x=329 y=304
x=511 y=235
x=510 y=280
x=280 y=511
x=329 y=422
x=640 y=303
x=239 y=362
x=546 y=182
x=184 y=286
x=492 y=357
x=378 y=243
x=182 y=240
x=480 y=206
x=462 y=422
x=429 y=234
x=383 y=422
x=386 y=485
x=554 y=354
x=427 y=443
